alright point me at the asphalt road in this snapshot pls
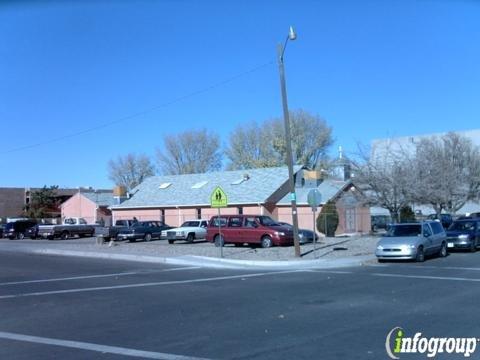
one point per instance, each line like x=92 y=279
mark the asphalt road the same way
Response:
x=56 y=307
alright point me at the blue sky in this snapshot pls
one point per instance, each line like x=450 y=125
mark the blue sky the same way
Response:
x=372 y=69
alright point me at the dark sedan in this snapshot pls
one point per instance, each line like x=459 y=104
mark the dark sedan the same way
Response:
x=304 y=235
x=464 y=234
x=143 y=230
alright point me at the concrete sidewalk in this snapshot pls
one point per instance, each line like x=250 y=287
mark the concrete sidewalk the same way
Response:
x=351 y=252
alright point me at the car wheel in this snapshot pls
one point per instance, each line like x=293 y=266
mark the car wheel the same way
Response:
x=473 y=246
x=147 y=237
x=443 y=250
x=20 y=236
x=171 y=241
x=420 y=255
x=65 y=235
x=266 y=242
x=219 y=240
x=33 y=237
x=190 y=238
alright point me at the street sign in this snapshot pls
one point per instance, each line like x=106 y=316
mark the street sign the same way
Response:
x=218 y=199
x=314 y=199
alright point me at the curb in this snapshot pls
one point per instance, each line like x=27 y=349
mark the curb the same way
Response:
x=210 y=262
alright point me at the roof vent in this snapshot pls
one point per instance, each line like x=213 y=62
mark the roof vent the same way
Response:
x=164 y=185
x=243 y=179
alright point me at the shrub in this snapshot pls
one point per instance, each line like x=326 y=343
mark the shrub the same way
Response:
x=328 y=217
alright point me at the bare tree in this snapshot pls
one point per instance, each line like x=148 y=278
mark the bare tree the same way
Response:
x=386 y=178
x=190 y=152
x=447 y=171
x=310 y=134
x=264 y=145
x=251 y=147
x=130 y=170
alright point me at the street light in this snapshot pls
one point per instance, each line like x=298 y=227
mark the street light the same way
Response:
x=291 y=184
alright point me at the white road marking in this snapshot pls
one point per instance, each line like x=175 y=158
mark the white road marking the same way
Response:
x=173 y=282
x=329 y=271
x=96 y=276
x=426 y=267
x=95 y=347
x=426 y=277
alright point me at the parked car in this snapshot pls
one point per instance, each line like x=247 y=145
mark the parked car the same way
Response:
x=412 y=241
x=473 y=215
x=445 y=219
x=70 y=227
x=250 y=229
x=189 y=231
x=2 y=230
x=379 y=222
x=143 y=230
x=304 y=235
x=464 y=234
x=111 y=232
x=17 y=229
x=32 y=232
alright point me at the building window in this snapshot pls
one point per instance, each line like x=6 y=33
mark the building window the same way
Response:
x=162 y=215
x=240 y=210
x=199 y=213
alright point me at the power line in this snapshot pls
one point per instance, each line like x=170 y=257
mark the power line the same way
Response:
x=141 y=113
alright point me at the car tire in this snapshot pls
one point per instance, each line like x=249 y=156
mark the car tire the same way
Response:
x=190 y=238
x=33 y=237
x=65 y=235
x=473 y=246
x=171 y=241
x=219 y=240
x=420 y=257
x=443 y=250
x=266 y=242
x=132 y=240
x=147 y=237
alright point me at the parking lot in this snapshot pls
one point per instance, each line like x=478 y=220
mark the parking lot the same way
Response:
x=76 y=308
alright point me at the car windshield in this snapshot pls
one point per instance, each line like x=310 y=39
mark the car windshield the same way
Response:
x=190 y=223
x=462 y=225
x=267 y=221
x=405 y=230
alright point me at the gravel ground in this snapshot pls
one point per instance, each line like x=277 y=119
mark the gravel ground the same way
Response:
x=326 y=248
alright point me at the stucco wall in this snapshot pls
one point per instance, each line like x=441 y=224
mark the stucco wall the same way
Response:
x=79 y=206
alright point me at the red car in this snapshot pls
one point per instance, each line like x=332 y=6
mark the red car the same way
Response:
x=250 y=229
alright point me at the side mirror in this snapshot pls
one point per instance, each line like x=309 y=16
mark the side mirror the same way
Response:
x=426 y=234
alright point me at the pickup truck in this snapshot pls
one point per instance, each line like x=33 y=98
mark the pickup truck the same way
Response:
x=70 y=227
x=189 y=231
x=111 y=232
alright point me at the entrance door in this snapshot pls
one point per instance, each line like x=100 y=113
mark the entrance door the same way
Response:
x=350 y=220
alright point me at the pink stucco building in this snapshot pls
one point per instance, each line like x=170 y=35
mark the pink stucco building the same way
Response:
x=174 y=199
x=93 y=206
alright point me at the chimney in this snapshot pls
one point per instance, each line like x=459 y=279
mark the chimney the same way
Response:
x=120 y=194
